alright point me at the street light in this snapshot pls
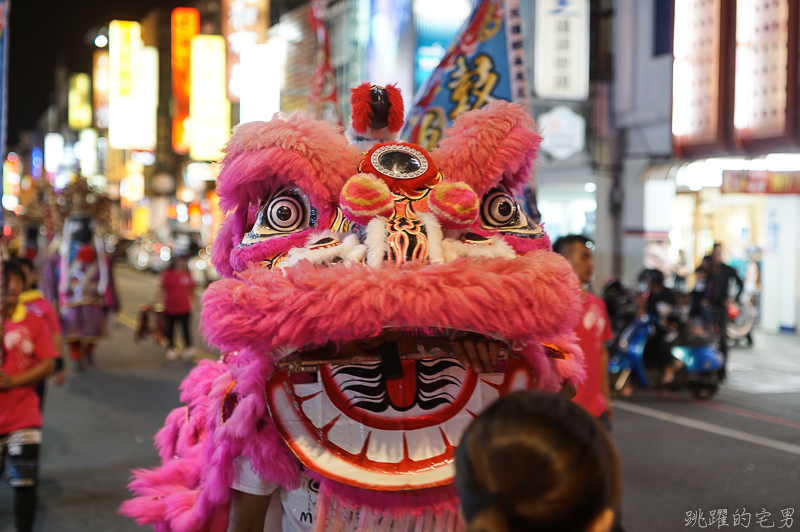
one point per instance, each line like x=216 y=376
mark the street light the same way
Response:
x=101 y=41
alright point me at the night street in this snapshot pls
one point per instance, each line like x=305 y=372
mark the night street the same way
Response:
x=740 y=451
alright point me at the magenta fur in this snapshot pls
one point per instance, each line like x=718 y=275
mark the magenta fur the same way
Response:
x=262 y=157
x=532 y=298
x=496 y=144
x=395 y=503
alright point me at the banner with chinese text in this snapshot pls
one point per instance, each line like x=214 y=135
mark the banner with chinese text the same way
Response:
x=760 y=182
x=483 y=64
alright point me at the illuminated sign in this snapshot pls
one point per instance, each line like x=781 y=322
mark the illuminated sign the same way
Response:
x=260 y=97
x=100 y=80
x=53 y=153
x=12 y=167
x=765 y=100
x=201 y=172
x=131 y=187
x=700 y=94
x=79 y=108
x=185 y=25
x=125 y=41
x=144 y=126
x=244 y=24
x=209 y=109
x=760 y=182
x=562 y=49
x=87 y=152
x=133 y=88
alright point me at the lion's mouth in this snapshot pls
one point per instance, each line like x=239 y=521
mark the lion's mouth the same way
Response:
x=385 y=413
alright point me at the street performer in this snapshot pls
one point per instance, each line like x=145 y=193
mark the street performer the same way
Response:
x=375 y=303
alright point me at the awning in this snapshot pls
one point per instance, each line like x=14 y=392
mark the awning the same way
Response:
x=661 y=171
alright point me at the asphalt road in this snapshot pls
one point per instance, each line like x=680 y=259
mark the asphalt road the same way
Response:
x=739 y=452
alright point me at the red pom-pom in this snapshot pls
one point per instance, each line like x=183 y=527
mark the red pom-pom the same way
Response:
x=396 y=108
x=361 y=104
x=87 y=254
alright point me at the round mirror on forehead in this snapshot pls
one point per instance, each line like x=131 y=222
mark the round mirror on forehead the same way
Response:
x=399 y=162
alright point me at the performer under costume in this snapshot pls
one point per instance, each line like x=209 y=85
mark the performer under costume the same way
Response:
x=350 y=278
x=85 y=287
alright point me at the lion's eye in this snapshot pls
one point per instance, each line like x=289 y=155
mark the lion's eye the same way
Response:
x=284 y=213
x=499 y=209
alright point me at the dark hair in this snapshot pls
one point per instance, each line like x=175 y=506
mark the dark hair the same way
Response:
x=12 y=267
x=563 y=244
x=26 y=262
x=535 y=461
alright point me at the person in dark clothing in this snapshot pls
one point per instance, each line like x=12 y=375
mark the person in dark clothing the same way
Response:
x=719 y=298
x=659 y=305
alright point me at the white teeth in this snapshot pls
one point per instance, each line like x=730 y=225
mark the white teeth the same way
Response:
x=319 y=409
x=348 y=435
x=489 y=383
x=425 y=443
x=385 y=446
x=454 y=427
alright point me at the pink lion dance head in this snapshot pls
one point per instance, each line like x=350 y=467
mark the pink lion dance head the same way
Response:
x=351 y=276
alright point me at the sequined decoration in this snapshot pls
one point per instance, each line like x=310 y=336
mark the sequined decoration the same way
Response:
x=553 y=351
x=229 y=404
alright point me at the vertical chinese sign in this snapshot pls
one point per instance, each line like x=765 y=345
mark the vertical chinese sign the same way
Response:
x=483 y=64
x=185 y=25
x=244 y=24
x=100 y=80
x=562 y=50
x=209 y=109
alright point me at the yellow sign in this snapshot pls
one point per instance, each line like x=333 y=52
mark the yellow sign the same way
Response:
x=133 y=88
x=79 y=101
x=209 y=108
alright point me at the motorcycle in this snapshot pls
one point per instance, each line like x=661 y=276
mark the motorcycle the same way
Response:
x=699 y=365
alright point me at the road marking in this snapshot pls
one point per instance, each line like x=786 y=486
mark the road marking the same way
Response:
x=728 y=409
x=708 y=427
x=132 y=323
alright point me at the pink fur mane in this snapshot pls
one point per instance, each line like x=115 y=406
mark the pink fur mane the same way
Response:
x=495 y=144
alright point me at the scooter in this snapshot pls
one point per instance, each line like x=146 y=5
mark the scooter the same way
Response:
x=698 y=368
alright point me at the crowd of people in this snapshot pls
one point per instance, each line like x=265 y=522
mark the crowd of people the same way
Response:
x=33 y=351
x=513 y=470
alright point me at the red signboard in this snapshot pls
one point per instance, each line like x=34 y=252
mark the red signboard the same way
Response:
x=760 y=182
x=185 y=25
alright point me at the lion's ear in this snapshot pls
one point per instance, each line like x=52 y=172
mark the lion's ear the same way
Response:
x=492 y=146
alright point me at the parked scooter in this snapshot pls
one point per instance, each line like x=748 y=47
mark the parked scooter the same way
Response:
x=699 y=365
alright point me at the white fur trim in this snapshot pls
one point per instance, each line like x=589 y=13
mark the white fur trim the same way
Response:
x=325 y=255
x=377 y=241
x=434 y=232
x=492 y=248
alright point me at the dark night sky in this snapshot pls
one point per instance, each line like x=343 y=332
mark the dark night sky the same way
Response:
x=44 y=32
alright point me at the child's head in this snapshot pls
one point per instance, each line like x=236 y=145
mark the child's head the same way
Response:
x=13 y=283
x=535 y=461
x=29 y=270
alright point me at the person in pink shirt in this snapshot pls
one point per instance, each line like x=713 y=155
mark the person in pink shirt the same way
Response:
x=27 y=358
x=177 y=290
x=593 y=330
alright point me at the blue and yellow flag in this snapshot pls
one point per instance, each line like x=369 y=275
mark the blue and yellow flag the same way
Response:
x=485 y=62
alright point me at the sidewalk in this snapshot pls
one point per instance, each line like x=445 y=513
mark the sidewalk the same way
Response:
x=771 y=366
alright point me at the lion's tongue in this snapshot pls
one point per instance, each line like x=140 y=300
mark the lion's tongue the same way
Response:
x=403 y=390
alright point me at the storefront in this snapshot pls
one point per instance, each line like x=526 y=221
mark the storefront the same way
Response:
x=752 y=208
